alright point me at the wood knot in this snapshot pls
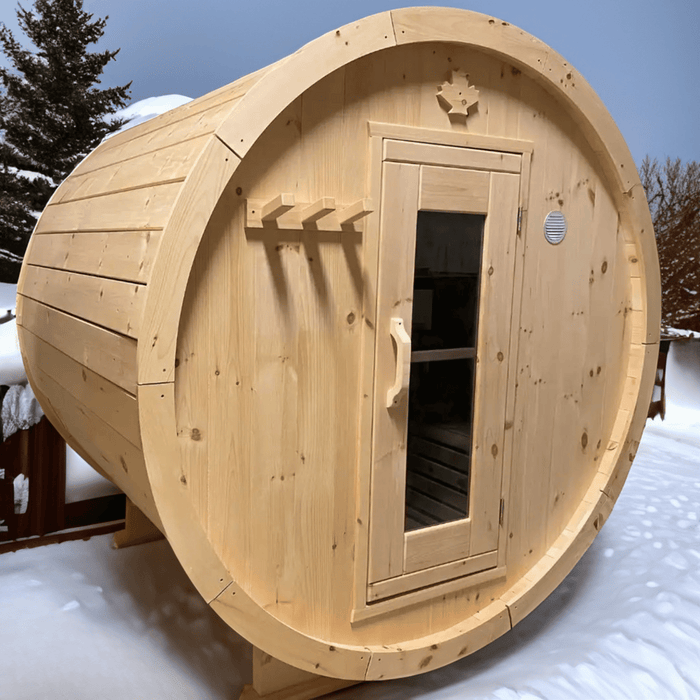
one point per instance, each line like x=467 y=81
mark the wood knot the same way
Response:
x=584 y=439
x=500 y=357
x=195 y=434
x=494 y=450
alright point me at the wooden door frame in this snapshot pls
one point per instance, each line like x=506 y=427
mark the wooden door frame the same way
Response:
x=381 y=137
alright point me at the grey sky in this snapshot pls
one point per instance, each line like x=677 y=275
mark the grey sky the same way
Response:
x=641 y=56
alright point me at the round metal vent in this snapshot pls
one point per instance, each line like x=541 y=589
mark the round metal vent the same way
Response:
x=555 y=227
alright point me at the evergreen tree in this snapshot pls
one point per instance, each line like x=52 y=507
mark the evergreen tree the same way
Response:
x=51 y=115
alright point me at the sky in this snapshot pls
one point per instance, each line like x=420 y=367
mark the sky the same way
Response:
x=642 y=57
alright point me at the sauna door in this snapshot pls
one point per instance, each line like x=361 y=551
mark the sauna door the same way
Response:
x=448 y=226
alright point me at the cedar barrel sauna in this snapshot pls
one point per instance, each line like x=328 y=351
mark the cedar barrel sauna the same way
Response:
x=369 y=334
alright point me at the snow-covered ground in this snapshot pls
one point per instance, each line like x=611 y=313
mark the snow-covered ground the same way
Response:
x=81 y=620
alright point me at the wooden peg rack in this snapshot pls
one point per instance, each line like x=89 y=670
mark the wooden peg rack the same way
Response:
x=285 y=213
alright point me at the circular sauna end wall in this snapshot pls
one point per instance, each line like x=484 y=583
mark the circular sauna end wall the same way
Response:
x=252 y=364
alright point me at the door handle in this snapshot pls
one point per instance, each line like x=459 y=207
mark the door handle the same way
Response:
x=403 y=363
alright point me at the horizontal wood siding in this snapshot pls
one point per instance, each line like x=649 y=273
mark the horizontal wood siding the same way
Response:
x=144 y=208
x=110 y=303
x=227 y=94
x=109 y=354
x=121 y=460
x=127 y=255
x=189 y=128
x=165 y=165
x=109 y=402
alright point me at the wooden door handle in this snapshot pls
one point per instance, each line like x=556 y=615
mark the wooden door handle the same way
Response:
x=403 y=363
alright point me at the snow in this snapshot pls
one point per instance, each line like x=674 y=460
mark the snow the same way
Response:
x=11 y=366
x=83 y=482
x=8 y=296
x=669 y=332
x=143 y=110
x=20 y=410
x=81 y=620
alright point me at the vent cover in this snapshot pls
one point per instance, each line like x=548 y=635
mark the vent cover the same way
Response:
x=555 y=227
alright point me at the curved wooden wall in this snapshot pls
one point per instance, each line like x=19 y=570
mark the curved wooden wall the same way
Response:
x=86 y=276
x=117 y=289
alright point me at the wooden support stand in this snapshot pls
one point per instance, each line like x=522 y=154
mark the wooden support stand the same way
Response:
x=274 y=680
x=138 y=529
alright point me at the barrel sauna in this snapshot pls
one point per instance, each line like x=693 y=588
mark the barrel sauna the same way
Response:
x=370 y=335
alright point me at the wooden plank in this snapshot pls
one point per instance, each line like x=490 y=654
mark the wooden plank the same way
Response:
x=135 y=145
x=318 y=59
x=431 y=154
x=586 y=381
x=102 y=509
x=127 y=255
x=559 y=560
x=443 y=574
x=458 y=479
x=114 y=454
x=450 y=189
x=507 y=506
x=437 y=451
x=317 y=210
x=407 y=132
x=227 y=94
x=437 y=545
x=138 y=529
x=439 y=491
x=440 y=355
x=435 y=650
x=534 y=409
x=491 y=383
x=366 y=405
x=399 y=212
x=441 y=511
x=144 y=208
x=543 y=64
x=170 y=164
x=315 y=688
x=166 y=289
x=110 y=303
x=162 y=452
x=275 y=680
x=110 y=402
x=109 y=354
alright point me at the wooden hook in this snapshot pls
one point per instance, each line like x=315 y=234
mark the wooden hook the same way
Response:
x=355 y=211
x=318 y=210
x=276 y=207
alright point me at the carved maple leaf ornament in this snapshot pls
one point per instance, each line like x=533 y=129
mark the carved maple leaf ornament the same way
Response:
x=457 y=95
